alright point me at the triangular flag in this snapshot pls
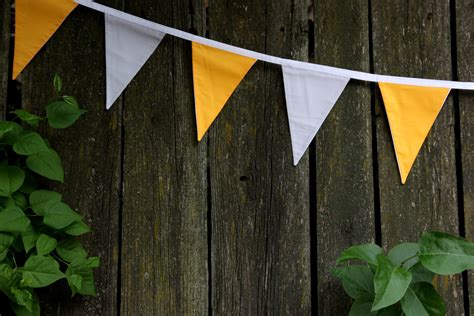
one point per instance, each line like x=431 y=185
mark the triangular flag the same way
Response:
x=216 y=73
x=35 y=23
x=310 y=96
x=127 y=48
x=411 y=112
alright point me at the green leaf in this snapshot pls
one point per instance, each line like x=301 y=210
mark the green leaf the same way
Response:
x=77 y=228
x=62 y=114
x=91 y=262
x=83 y=268
x=20 y=200
x=29 y=238
x=23 y=298
x=29 y=143
x=13 y=220
x=39 y=199
x=10 y=202
x=393 y=310
x=70 y=100
x=75 y=282
x=11 y=179
x=367 y=253
x=30 y=184
x=446 y=254
x=71 y=250
x=356 y=280
x=47 y=164
x=362 y=307
x=390 y=282
x=33 y=308
x=421 y=274
x=18 y=244
x=9 y=131
x=5 y=127
x=45 y=244
x=59 y=215
x=22 y=311
x=402 y=252
x=40 y=271
x=421 y=299
x=58 y=83
x=5 y=242
x=27 y=117
x=7 y=279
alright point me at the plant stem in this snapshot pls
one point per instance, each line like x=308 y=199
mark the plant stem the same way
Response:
x=13 y=258
x=59 y=259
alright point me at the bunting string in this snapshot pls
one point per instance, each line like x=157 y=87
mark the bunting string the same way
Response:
x=311 y=90
x=353 y=74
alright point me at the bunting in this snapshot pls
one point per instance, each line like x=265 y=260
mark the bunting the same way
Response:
x=123 y=59
x=310 y=96
x=311 y=90
x=216 y=73
x=411 y=112
x=35 y=22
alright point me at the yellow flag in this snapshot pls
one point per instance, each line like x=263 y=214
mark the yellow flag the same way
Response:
x=411 y=112
x=35 y=22
x=216 y=73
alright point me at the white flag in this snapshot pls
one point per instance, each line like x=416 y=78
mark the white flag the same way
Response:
x=310 y=96
x=127 y=48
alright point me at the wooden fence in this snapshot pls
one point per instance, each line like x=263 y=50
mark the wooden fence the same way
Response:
x=228 y=226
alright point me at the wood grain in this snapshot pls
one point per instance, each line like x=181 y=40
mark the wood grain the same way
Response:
x=343 y=162
x=260 y=202
x=4 y=55
x=90 y=151
x=223 y=227
x=413 y=39
x=465 y=45
x=164 y=231
x=4 y=81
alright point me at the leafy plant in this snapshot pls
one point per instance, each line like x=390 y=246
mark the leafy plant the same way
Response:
x=400 y=283
x=38 y=231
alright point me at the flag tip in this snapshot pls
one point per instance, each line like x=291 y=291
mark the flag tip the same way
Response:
x=404 y=179
x=403 y=176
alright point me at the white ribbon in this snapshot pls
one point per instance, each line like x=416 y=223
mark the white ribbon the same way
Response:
x=358 y=75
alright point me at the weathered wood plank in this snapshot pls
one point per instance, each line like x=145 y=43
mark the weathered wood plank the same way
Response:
x=90 y=151
x=164 y=238
x=344 y=172
x=465 y=47
x=4 y=78
x=4 y=54
x=412 y=38
x=260 y=202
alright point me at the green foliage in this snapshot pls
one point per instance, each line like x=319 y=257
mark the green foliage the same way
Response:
x=27 y=117
x=390 y=282
x=37 y=228
x=58 y=83
x=63 y=113
x=400 y=283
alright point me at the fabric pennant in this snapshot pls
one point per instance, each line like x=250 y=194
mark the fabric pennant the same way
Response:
x=216 y=74
x=411 y=112
x=35 y=22
x=128 y=46
x=310 y=96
